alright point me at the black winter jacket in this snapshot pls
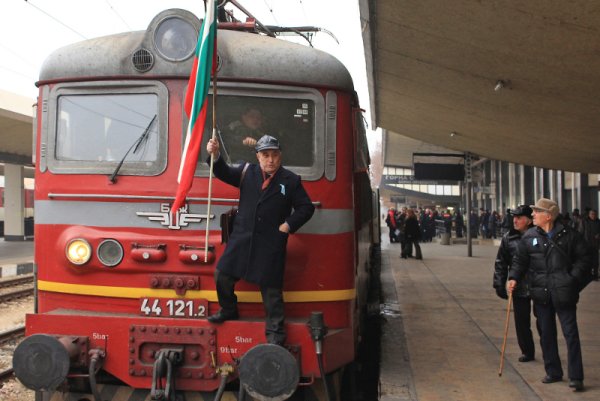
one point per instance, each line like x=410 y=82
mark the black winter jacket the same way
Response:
x=506 y=252
x=256 y=250
x=556 y=268
x=411 y=229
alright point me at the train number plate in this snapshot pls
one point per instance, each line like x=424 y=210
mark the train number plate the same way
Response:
x=173 y=307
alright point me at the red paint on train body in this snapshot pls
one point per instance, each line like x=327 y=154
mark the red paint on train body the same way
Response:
x=112 y=299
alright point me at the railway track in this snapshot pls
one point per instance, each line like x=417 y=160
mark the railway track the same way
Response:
x=25 y=292
x=8 y=335
x=6 y=375
x=12 y=282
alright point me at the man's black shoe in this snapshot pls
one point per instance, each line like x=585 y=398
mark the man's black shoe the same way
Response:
x=526 y=358
x=221 y=316
x=576 y=385
x=551 y=379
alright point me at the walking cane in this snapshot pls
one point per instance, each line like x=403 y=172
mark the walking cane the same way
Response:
x=505 y=333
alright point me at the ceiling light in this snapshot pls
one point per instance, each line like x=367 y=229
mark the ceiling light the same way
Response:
x=502 y=83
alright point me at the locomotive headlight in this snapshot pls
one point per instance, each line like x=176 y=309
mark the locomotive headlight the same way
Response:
x=110 y=252
x=79 y=251
x=175 y=38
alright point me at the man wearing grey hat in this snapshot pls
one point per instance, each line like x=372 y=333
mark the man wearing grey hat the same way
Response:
x=557 y=262
x=522 y=221
x=256 y=248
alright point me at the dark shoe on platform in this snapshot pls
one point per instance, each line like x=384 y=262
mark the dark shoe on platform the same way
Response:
x=221 y=316
x=551 y=379
x=526 y=358
x=576 y=385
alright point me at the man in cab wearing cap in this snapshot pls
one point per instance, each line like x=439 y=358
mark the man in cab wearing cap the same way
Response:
x=557 y=262
x=522 y=221
x=256 y=248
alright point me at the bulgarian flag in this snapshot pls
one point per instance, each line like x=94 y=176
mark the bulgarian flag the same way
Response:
x=196 y=102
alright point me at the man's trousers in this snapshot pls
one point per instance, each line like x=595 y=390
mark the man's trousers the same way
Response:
x=272 y=302
x=546 y=315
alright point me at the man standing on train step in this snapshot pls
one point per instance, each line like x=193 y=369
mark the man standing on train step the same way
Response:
x=256 y=249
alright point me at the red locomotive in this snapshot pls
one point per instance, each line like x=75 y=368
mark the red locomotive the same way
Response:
x=123 y=290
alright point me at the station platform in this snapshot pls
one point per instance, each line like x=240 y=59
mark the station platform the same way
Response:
x=443 y=327
x=16 y=257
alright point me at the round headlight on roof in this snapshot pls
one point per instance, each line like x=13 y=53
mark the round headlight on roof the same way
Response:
x=175 y=38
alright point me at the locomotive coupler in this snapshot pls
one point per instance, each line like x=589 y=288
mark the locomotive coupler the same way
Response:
x=96 y=358
x=167 y=359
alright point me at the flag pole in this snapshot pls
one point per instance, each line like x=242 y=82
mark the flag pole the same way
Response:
x=212 y=160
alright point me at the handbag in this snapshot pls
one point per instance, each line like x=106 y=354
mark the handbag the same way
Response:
x=228 y=218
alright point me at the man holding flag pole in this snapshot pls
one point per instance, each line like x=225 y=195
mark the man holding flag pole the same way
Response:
x=273 y=202
x=273 y=205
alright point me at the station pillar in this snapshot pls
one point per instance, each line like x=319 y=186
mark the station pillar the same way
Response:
x=14 y=203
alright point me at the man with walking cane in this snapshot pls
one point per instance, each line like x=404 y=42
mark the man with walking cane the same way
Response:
x=557 y=262
x=522 y=221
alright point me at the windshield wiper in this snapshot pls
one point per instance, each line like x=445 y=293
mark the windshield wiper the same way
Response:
x=137 y=144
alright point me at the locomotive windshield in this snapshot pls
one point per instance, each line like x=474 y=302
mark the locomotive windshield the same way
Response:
x=95 y=128
x=102 y=128
x=241 y=120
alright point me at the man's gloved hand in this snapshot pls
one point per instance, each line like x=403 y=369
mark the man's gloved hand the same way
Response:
x=501 y=292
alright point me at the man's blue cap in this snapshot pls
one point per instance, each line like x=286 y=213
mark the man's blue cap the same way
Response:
x=267 y=142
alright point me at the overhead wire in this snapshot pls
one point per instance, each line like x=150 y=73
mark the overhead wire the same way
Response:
x=18 y=73
x=304 y=11
x=118 y=15
x=55 y=19
x=17 y=55
x=271 y=10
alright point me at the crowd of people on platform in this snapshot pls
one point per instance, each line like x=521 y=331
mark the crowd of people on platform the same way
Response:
x=433 y=222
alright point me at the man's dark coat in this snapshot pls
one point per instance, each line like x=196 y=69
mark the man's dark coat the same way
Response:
x=256 y=249
x=557 y=268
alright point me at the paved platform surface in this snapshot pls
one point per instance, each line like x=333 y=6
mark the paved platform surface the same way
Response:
x=443 y=328
x=16 y=257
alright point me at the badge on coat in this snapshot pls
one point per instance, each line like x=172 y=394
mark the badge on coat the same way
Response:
x=535 y=242
x=282 y=189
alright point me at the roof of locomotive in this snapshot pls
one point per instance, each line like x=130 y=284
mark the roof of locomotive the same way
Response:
x=243 y=56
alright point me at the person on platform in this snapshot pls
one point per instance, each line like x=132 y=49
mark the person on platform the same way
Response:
x=412 y=236
x=522 y=221
x=557 y=262
x=591 y=233
x=390 y=220
x=507 y=222
x=273 y=204
x=459 y=223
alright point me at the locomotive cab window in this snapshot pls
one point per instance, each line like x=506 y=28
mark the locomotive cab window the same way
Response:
x=97 y=127
x=294 y=119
